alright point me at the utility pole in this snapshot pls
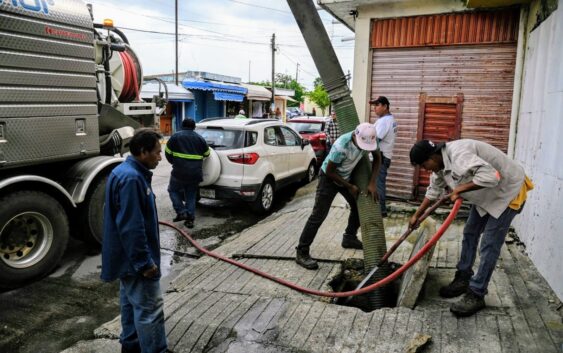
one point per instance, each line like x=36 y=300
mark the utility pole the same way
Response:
x=249 y=71
x=273 y=68
x=176 y=75
x=297 y=73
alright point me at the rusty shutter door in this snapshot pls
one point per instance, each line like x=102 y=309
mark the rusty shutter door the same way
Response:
x=484 y=74
x=439 y=122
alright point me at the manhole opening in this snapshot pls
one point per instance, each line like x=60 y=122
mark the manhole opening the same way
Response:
x=352 y=273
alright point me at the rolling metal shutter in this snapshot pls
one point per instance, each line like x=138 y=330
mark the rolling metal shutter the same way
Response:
x=441 y=57
x=484 y=74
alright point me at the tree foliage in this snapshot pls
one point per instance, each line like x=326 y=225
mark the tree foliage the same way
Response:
x=319 y=95
x=287 y=82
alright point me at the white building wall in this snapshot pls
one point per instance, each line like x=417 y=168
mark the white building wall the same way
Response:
x=538 y=148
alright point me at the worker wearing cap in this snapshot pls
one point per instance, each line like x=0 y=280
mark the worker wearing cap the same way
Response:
x=334 y=178
x=386 y=129
x=495 y=185
x=241 y=115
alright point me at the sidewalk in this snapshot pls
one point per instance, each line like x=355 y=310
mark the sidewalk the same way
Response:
x=216 y=307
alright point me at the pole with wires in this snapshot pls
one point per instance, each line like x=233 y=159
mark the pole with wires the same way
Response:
x=176 y=34
x=273 y=71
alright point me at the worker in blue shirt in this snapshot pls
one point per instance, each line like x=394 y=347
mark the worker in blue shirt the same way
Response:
x=131 y=246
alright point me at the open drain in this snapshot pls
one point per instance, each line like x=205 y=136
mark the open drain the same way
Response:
x=350 y=276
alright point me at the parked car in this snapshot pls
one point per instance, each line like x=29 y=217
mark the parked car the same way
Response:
x=313 y=129
x=293 y=112
x=256 y=158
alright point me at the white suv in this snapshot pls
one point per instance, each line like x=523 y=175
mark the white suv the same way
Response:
x=255 y=157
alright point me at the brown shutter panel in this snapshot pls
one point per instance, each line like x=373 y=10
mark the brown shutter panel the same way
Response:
x=446 y=29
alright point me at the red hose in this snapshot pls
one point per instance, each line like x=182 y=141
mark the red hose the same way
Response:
x=130 y=90
x=364 y=290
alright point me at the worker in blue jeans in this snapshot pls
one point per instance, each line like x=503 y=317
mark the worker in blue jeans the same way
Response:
x=131 y=246
x=185 y=150
x=497 y=188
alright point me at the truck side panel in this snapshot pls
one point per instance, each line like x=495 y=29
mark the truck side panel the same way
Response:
x=48 y=99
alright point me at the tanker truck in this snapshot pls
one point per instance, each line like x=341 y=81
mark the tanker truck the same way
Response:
x=69 y=104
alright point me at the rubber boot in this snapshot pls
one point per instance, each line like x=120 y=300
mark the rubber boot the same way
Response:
x=457 y=287
x=305 y=260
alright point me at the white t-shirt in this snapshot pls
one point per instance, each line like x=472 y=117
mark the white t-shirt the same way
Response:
x=386 y=129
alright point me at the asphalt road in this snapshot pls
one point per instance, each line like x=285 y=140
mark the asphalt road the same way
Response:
x=54 y=313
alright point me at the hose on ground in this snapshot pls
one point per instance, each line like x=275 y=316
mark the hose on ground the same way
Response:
x=301 y=289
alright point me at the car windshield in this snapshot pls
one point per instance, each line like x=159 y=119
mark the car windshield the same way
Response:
x=220 y=138
x=306 y=128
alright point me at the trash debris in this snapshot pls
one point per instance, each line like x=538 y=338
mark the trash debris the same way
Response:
x=417 y=344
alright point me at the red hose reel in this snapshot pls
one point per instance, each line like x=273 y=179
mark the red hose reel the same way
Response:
x=130 y=89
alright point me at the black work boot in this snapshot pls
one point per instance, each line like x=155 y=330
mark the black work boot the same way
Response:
x=189 y=223
x=305 y=260
x=468 y=305
x=457 y=287
x=180 y=217
x=351 y=242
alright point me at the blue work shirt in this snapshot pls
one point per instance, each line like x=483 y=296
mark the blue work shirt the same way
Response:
x=131 y=241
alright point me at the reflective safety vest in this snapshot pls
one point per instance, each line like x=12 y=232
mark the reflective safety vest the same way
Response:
x=185 y=151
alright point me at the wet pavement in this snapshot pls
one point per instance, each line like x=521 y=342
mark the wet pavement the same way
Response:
x=65 y=307
x=215 y=307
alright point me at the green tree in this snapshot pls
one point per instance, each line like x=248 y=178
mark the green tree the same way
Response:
x=285 y=81
x=299 y=95
x=320 y=97
x=282 y=80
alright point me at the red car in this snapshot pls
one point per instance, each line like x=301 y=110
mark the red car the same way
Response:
x=313 y=129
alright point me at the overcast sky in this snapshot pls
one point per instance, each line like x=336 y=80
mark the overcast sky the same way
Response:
x=222 y=37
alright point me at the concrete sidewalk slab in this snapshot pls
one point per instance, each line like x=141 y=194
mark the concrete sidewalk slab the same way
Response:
x=216 y=307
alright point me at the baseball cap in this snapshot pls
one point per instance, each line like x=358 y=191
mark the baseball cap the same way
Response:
x=423 y=149
x=366 y=137
x=380 y=100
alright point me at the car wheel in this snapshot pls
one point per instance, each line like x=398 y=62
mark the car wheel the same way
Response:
x=265 y=200
x=311 y=172
x=33 y=236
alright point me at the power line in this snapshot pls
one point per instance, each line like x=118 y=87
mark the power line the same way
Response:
x=262 y=7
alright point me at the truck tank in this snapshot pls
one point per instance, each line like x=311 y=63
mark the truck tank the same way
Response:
x=68 y=105
x=48 y=97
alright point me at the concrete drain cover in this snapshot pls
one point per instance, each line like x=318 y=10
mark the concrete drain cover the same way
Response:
x=414 y=277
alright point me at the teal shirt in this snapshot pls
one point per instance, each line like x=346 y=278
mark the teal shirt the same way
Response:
x=345 y=155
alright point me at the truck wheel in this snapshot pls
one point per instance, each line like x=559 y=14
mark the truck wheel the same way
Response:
x=265 y=199
x=90 y=224
x=33 y=236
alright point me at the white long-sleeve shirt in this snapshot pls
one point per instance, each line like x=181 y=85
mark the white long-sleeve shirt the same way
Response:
x=471 y=160
x=386 y=129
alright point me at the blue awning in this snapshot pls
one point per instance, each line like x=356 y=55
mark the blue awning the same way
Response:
x=214 y=86
x=224 y=96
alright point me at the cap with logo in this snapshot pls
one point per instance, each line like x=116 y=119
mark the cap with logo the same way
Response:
x=380 y=100
x=366 y=137
x=422 y=150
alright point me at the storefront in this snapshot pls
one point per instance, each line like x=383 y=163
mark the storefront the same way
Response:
x=214 y=99
x=257 y=101
x=180 y=105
